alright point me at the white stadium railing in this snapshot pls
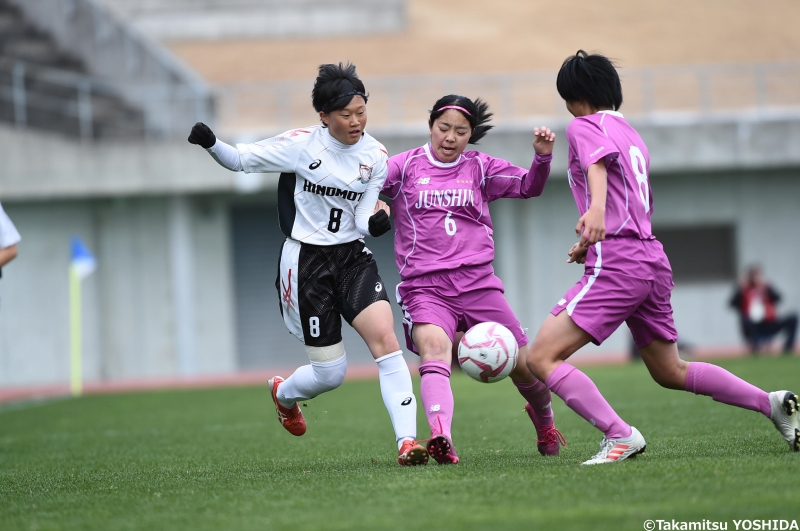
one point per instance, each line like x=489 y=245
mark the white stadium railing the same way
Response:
x=403 y=101
x=89 y=107
x=118 y=59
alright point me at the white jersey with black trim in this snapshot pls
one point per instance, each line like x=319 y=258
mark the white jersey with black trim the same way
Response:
x=328 y=190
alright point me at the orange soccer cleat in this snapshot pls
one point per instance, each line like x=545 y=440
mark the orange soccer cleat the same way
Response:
x=291 y=418
x=412 y=453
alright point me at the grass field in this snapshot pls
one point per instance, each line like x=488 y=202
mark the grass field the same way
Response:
x=218 y=459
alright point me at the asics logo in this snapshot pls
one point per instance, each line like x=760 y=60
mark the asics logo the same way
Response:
x=314 y=165
x=378 y=288
x=407 y=401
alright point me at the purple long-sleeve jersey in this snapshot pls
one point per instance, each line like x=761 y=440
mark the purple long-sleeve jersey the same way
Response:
x=606 y=135
x=441 y=210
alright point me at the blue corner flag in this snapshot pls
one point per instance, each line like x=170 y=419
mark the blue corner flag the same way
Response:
x=82 y=259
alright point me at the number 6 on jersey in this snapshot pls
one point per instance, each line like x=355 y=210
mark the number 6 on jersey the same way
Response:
x=450 y=224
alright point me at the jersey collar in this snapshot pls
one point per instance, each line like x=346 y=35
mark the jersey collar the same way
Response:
x=433 y=160
x=339 y=145
x=612 y=113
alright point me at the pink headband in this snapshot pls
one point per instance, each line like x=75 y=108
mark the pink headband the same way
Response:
x=456 y=107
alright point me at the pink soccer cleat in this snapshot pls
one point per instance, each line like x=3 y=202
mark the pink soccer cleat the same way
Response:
x=548 y=437
x=441 y=448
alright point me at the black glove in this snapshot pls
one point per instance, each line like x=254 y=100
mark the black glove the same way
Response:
x=203 y=135
x=379 y=223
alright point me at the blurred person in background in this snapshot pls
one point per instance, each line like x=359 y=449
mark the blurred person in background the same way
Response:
x=331 y=176
x=755 y=300
x=9 y=238
x=444 y=251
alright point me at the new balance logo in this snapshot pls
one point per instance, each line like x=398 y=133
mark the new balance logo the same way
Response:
x=435 y=408
x=562 y=301
x=424 y=180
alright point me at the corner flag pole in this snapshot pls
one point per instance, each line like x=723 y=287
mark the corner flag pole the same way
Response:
x=81 y=266
x=76 y=354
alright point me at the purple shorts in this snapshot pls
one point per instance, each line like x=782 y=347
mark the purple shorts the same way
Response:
x=456 y=301
x=626 y=280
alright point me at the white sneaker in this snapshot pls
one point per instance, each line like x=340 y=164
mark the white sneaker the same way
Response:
x=613 y=450
x=785 y=417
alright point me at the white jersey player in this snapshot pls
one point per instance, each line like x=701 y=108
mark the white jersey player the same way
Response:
x=327 y=194
x=9 y=238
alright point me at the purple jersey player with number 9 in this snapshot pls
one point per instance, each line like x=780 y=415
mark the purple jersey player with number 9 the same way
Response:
x=444 y=251
x=627 y=276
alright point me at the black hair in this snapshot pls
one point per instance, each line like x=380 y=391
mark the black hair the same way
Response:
x=477 y=114
x=590 y=78
x=335 y=87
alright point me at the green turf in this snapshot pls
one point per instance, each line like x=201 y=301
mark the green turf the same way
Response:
x=218 y=459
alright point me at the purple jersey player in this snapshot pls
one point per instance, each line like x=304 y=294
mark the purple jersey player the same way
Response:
x=444 y=251
x=627 y=276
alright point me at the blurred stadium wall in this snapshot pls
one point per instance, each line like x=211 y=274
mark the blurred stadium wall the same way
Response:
x=95 y=108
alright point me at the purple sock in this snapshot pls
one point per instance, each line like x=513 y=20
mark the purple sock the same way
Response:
x=722 y=386
x=437 y=396
x=583 y=397
x=538 y=396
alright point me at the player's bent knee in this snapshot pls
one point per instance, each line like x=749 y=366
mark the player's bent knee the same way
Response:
x=536 y=367
x=329 y=375
x=670 y=378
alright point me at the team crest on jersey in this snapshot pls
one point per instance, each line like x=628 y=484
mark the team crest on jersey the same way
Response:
x=364 y=173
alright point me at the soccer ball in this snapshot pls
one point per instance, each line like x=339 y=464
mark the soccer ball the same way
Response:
x=488 y=352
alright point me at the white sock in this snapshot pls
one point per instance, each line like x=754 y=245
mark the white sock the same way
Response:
x=312 y=380
x=398 y=395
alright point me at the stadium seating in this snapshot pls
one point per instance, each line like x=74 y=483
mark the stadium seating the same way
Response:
x=43 y=87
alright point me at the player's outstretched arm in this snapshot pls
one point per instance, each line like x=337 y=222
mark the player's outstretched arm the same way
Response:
x=202 y=135
x=226 y=155
x=533 y=183
x=543 y=140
